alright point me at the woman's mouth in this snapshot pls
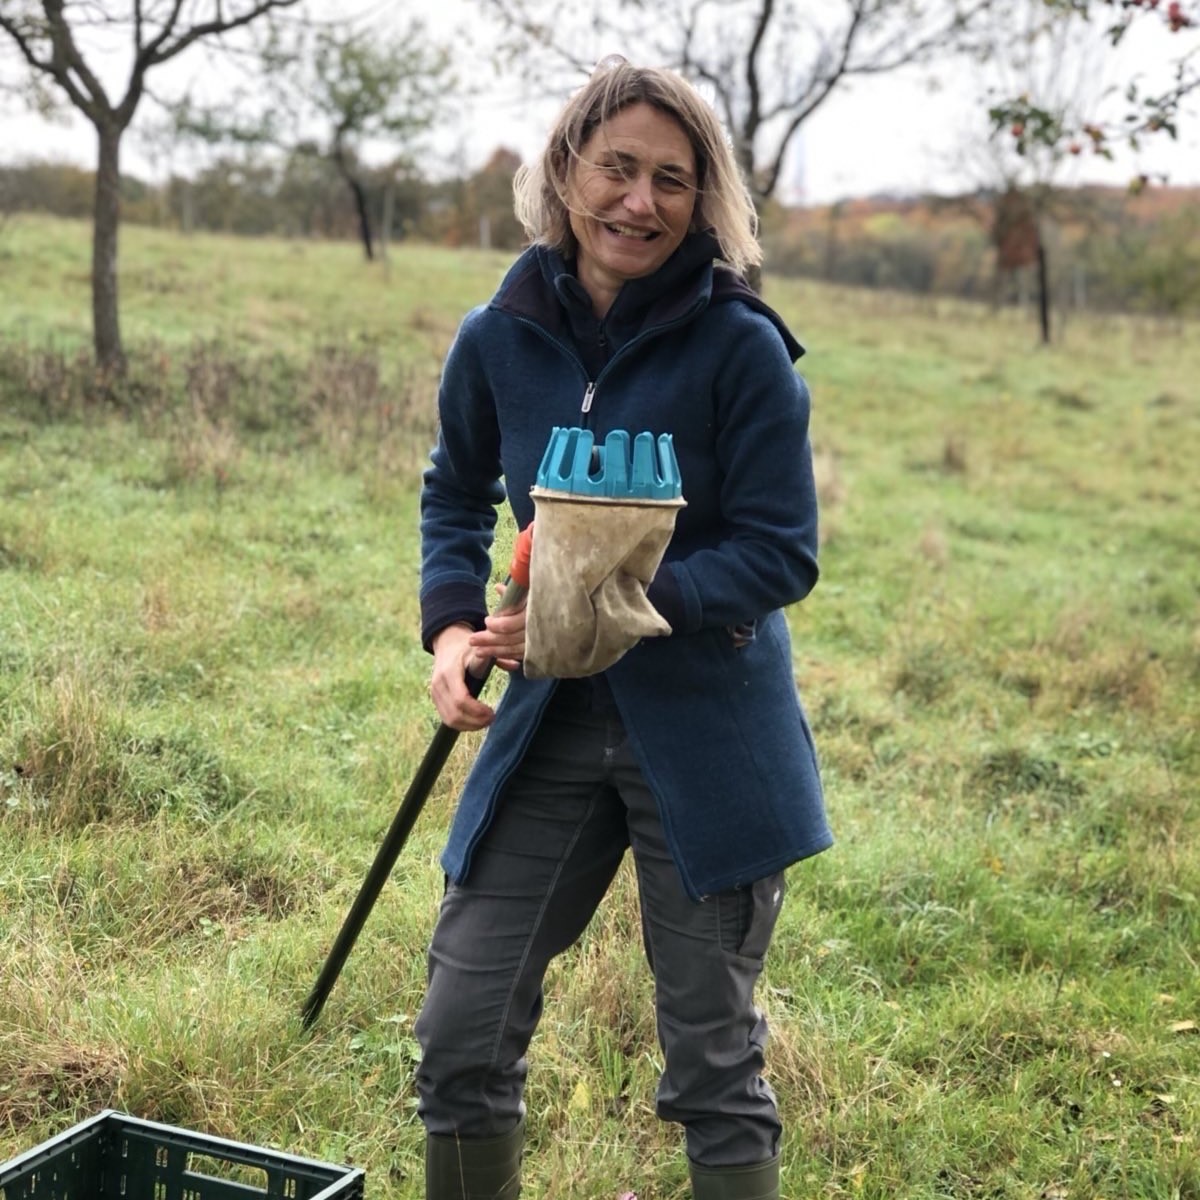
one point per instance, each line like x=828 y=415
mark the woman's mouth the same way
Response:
x=628 y=231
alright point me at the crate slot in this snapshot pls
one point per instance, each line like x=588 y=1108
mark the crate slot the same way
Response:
x=211 y=1167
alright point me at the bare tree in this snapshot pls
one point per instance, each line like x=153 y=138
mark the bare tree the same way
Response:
x=63 y=44
x=767 y=64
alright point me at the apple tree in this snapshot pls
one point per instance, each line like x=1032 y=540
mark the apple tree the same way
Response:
x=1151 y=104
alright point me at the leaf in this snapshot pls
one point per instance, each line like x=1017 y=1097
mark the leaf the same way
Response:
x=1184 y=1027
x=581 y=1099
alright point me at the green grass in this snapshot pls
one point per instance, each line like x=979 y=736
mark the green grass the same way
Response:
x=212 y=700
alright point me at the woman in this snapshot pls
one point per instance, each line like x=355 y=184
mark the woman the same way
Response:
x=692 y=749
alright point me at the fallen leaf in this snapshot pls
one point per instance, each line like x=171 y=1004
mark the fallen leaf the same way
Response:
x=1183 y=1027
x=581 y=1099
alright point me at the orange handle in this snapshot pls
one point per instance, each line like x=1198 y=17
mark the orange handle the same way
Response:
x=518 y=569
x=514 y=593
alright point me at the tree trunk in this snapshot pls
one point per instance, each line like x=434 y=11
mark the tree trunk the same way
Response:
x=187 y=215
x=339 y=156
x=385 y=221
x=106 y=324
x=364 y=216
x=1043 y=292
x=830 y=265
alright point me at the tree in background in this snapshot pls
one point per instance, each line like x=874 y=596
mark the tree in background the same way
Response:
x=332 y=91
x=358 y=87
x=1054 y=57
x=1152 y=265
x=310 y=198
x=476 y=207
x=63 y=45
x=767 y=64
x=1147 y=107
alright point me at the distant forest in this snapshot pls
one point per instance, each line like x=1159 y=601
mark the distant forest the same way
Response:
x=1105 y=249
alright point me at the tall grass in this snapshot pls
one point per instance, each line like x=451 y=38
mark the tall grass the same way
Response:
x=212 y=699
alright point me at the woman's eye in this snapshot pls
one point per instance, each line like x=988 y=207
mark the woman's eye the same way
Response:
x=671 y=183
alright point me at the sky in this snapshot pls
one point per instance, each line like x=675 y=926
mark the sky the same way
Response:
x=887 y=134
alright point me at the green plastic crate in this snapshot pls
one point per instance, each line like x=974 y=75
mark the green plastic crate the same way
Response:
x=112 y=1156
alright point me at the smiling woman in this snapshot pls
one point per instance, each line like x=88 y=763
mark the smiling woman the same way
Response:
x=690 y=748
x=632 y=196
x=637 y=148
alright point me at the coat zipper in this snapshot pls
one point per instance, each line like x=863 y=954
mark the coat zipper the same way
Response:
x=589 y=391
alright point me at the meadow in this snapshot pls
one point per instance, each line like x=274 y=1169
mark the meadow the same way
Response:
x=212 y=698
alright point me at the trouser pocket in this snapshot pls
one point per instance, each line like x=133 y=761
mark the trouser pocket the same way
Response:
x=746 y=915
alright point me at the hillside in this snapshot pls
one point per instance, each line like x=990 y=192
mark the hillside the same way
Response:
x=213 y=697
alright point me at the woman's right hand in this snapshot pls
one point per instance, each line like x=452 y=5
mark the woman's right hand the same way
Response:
x=452 y=658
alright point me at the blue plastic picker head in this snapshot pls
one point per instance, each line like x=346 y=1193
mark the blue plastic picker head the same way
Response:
x=573 y=464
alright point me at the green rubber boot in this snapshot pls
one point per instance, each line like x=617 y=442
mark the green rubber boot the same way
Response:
x=757 y=1182
x=474 y=1168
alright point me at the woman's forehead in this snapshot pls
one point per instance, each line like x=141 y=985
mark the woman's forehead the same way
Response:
x=645 y=134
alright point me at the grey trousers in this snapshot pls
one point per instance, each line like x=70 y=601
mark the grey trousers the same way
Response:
x=562 y=827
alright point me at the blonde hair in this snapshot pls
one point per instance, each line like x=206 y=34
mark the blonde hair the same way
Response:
x=723 y=203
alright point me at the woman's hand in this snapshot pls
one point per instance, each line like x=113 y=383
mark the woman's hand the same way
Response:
x=457 y=650
x=452 y=658
x=503 y=639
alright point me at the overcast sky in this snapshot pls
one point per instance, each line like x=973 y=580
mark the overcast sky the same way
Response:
x=885 y=134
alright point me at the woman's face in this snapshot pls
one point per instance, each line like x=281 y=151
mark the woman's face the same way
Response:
x=631 y=194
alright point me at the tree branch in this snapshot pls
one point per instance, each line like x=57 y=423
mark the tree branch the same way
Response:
x=160 y=51
x=25 y=45
x=66 y=59
x=516 y=17
x=756 y=41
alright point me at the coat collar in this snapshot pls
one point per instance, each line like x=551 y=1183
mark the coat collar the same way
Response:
x=540 y=286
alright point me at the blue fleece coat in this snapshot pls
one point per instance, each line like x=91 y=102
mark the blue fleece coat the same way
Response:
x=718 y=729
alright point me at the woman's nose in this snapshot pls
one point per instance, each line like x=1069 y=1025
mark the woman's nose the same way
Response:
x=639 y=195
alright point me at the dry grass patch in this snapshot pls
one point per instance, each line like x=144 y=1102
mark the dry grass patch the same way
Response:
x=1123 y=676
x=201 y=448
x=66 y=761
x=832 y=491
x=933 y=545
x=44 y=1079
x=79 y=761
x=362 y=420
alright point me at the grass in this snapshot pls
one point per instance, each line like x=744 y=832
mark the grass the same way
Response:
x=212 y=700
